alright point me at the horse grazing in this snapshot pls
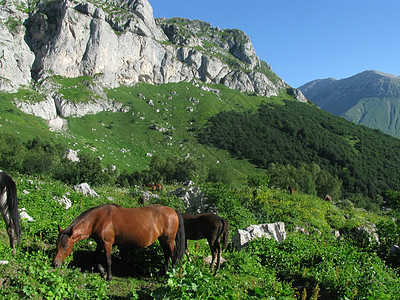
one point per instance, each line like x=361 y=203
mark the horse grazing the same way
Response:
x=111 y=224
x=9 y=209
x=158 y=187
x=291 y=190
x=208 y=226
x=155 y=187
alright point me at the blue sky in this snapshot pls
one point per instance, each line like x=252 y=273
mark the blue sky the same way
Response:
x=304 y=40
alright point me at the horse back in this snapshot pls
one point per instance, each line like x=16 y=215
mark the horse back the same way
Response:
x=202 y=225
x=143 y=225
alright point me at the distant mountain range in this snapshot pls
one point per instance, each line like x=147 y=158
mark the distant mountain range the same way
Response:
x=370 y=98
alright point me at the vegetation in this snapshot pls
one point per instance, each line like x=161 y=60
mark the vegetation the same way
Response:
x=242 y=150
x=363 y=160
x=130 y=140
x=306 y=265
x=244 y=172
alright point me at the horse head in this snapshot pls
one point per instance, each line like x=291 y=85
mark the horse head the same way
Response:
x=64 y=246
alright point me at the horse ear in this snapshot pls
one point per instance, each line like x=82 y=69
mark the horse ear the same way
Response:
x=59 y=229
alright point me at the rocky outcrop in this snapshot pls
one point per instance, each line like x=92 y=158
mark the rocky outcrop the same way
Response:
x=194 y=200
x=16 y=58
x=118 y=43
x=366 y=234
x=72 y=155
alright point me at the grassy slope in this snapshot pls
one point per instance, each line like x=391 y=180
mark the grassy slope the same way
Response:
x=14 y=121
x=125 y=139
x=377 y=113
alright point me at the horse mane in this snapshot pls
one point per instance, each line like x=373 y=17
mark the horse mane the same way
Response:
x=67 y=231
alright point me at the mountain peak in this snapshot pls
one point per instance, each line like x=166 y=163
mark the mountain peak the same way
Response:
x=370 y=98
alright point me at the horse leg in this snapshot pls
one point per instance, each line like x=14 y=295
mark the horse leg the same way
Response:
x=99 y=256
x=168 y=248
x=187 y=251
x=218 y=246
x=211 y=243
x=108 y=249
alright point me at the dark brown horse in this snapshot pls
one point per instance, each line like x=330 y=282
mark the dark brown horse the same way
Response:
x=291 y=190
x=207 y=226
x=111 y=224
x=9 y=209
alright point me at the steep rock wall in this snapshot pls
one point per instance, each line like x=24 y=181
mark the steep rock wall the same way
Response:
x=118 y=43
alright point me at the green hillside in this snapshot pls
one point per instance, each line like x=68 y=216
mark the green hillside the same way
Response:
x=219 y=131
x=365 y=160
x=370 y=98
x=379 y=113
x=130 y=140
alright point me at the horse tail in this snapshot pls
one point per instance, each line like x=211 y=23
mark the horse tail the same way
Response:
x=225 y=234
x=180 y=239
x=9 y=208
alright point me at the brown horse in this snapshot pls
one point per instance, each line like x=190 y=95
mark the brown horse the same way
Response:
x=9 y=209
x=158 y=187
x=111 y=224
x=208 y=226
x=155 y=187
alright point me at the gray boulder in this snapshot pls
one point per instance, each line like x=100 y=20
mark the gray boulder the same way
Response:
x=64 y=201
x=274 y=231
x=195 y=201
x=366 y=234
x=146 y=196
x=72 y=155
x=85 y=189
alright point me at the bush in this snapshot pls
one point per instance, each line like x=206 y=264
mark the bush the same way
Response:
x=88 y=170
x=341 y=271
x=229 y=205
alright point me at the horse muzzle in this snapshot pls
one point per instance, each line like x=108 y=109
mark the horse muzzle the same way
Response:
x=56 y=263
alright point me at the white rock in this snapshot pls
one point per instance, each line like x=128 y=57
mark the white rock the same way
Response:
x=274 y=231
x=72 y=155
x=85 y=189
x=24 y=215
x=64 y=201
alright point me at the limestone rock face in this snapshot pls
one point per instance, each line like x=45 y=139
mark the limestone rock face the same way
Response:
x=83 y=40
x=45 y=109
x=15 y=56
x=117 y=43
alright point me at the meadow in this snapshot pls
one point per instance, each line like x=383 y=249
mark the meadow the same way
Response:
x=309 y=265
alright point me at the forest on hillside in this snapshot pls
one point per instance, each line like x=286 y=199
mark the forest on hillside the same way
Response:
x=366 y=161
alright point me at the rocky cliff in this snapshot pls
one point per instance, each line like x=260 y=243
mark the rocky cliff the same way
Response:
x=118 y=43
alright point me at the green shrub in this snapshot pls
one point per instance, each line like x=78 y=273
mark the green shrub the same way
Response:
x=341 y=271
x=229 y=205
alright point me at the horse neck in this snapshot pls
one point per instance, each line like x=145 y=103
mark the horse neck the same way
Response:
x=81 y=231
